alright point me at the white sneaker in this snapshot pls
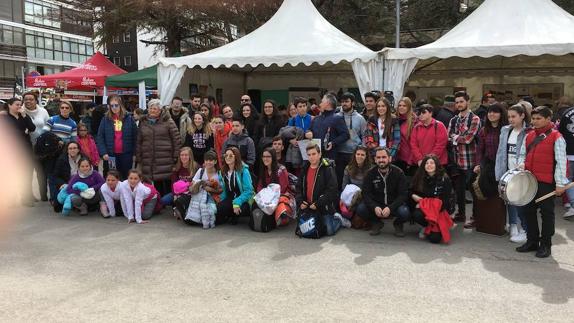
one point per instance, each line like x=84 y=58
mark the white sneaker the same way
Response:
x=513 y=231
x=568 y=214
x=104 y=210
x=567 y=205
x=344 y=221
x=422 y=234
x=519 y=238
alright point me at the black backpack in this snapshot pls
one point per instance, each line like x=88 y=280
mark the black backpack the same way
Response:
x=47 y=146
x=259 y=221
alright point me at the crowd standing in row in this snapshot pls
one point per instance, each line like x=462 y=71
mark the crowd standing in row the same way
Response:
x=213 y=164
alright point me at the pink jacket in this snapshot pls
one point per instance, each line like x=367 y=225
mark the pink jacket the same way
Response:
x=405 y=153
x=431 y=139
x=89 y=149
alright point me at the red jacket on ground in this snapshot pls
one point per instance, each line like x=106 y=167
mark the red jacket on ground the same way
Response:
x=431 y=139
x=437 y=221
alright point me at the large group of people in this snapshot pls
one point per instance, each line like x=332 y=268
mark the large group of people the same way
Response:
x=213 y=164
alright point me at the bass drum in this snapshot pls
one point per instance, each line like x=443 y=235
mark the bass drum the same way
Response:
x=517 y=187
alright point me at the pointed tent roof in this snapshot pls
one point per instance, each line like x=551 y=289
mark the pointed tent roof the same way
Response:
x=91 y=74
x=149 y=75
x=297 y=33
x=502 y=27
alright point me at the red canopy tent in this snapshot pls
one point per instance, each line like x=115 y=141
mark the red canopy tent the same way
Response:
x=88 y=76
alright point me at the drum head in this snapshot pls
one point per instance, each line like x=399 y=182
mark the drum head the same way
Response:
x=521 y=189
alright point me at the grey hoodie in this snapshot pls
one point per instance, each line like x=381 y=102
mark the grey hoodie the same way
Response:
x=358 y=126
x=245 y=145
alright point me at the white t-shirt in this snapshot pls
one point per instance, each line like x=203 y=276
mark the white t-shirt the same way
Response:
x=511 y=148
x=382 y=140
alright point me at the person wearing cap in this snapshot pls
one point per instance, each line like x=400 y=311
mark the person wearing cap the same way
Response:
x=447 y=111
x=428 y=137
x=356 y=125
x=157 y=148
x=370 y=110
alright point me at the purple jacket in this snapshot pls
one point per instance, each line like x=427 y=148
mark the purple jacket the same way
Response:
x=94 y=181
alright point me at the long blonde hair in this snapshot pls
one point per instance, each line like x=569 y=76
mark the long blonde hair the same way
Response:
x=206 y=128
x=410 y=114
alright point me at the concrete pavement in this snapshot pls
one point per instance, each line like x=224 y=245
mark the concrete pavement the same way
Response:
x=70 y=269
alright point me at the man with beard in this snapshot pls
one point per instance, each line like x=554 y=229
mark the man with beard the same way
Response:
x=356 y=125
x=179 y=114
x=371 y=99
x=385 y=194
x=195 y=102
x=462 y=132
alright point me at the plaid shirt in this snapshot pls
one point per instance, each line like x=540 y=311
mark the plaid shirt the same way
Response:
x=488 y=144
x=463 y=138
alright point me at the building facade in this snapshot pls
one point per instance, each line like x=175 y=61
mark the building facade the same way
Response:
x=38 y=35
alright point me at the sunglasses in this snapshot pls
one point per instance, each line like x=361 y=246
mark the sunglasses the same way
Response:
x=419 y=112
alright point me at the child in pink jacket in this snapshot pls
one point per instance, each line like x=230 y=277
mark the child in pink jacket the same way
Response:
x=88 y=145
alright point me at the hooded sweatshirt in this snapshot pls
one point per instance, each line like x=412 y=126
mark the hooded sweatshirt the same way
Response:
x=356 y=125
x=245 y=145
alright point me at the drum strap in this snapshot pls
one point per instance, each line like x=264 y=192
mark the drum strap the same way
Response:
x=537 y=140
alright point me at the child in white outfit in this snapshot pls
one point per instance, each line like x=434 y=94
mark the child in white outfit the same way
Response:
x=110 y=194
x=138 y=199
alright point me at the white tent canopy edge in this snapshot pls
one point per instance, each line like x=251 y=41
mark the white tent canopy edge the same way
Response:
x=497 y=28
x=296 y=34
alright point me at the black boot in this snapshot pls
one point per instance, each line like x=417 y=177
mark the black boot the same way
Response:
x=528 y=246
x=543 y=251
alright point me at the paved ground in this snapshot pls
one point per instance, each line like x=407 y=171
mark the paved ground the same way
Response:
x=71 y=269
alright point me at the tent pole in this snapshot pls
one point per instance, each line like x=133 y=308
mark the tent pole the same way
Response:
x=141 y=95
x=398 y=22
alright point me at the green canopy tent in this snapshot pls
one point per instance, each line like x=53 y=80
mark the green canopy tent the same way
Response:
x=140 y=79
x=133 y=79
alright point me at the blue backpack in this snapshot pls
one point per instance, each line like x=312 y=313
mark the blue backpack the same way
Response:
x=310 y=225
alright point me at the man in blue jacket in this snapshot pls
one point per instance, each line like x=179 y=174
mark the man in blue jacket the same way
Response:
x=328 y=127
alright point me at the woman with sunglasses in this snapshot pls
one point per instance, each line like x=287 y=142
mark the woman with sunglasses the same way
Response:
x=62 y=124
x=116 y=137
x=237 y=194
x=429 y=136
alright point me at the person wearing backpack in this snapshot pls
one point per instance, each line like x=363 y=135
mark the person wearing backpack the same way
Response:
x=385 y=194
x=462 y=132
x=430 y=181
x=317 y=197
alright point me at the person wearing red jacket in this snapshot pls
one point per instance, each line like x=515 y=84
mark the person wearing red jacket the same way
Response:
x=428 y=137
x=546 y=158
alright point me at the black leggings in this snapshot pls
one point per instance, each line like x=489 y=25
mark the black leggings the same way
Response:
x=225 y=210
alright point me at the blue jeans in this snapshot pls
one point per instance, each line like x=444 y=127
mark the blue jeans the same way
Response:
x=167 y=199
x=332 y=224
x=516 y=213
x=401 y=215
x=570 y=191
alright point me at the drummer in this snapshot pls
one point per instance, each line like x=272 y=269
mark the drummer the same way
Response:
x=546 y=158
x=509 y=156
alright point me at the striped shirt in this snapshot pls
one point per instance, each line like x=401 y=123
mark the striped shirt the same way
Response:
x=64 y=128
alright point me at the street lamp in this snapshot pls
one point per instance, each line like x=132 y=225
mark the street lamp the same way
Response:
x=398 y=24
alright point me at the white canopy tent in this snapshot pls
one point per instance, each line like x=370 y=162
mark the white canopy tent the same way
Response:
x=498 y=27
x=296 y=34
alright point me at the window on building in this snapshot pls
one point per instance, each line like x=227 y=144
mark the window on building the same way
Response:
x=42 y=13
x=115 y=39
x=127 y=37
x=117 y=60
x=49 y=46
x=127 y=60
